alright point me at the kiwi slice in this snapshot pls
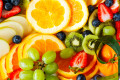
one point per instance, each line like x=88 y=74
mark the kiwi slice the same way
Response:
x=91 y=18
x=24 y=4
x=74 y=40
x=89 y=44
x=99 y=29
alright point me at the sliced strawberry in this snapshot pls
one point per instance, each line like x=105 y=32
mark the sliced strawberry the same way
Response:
x=79 y=60
x=104 y=13
x=15 y=10
x=115 y=7
x=117 y=25
x=1 y=6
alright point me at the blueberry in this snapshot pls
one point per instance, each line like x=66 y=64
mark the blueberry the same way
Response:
x=109 y=3
x=15 y=2
x=95 y=77
x=8 y=6
x=116 y=17
x=95 y=22
x=5 y=1
x=61 y=35
x=91 y=8
x=16 y=39
x=81 y=77
x=86 y=32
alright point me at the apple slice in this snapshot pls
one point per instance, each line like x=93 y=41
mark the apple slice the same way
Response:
x=4 y=47
x=7 y=34
x=15 y=25
x=22 y=20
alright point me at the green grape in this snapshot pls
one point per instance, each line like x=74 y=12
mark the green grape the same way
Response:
x=108 y=30
x=49 y=57
x=52 y=78
x=26 y=75
x=26 y=64
x=67 y=53
x=51 y=68
x=33 y=54
x=38 y=75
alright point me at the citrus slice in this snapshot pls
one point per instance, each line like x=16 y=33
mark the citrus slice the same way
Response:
x=43 y=43
x=22 y=44
x=3 y=70
x=64 y=66
x=88 y=75
x=79 y=15
x=12 y=60
x=91 y=2
x=48 y=16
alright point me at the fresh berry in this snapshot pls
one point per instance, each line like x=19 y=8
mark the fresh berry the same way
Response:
x=61 y=35
x=109 y=3
x=1 y=6
x=118 y=35
x=116 y=17
x=80 y=77
x=117 y=25
x=8 y=6
x=91 y=8
x=104 y=13
x=86 y=32
x=95 y=22
x=95 y=77
x=115 y=7
x=17 y=39
x=15 y=10
x=15 y=2
x=79 y=60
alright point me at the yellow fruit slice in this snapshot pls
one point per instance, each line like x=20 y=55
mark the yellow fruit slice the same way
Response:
x=43 y=43
x=79 y=15
x=3 y=70
x=22 y=44
x=66 y=72
x=12 y=59
x=92 y=2
x=48 y=16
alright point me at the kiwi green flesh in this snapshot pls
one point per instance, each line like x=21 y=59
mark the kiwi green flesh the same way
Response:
x=91 y=18
x=74 y=40
x=89 y=44
x=99 y=29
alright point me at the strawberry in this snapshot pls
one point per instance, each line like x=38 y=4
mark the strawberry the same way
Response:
x=1 y=6
x=117 y=25
x=15 y=10
x=115 y=7
x=104 y=13
x=79 y=60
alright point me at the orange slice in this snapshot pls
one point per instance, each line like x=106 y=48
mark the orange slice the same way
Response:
x=12 y=59
x=22 y=44
x=91 y=2
x=3 y=70
x=79 y=15
x=93 y=71
x=64 y=66
x=48 y=16
x=43 y=43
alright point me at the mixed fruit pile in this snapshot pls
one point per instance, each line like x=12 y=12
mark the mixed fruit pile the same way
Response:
x=59 y=39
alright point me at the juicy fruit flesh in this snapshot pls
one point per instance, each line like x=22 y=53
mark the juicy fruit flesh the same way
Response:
x=47 y=12
x=76 y=11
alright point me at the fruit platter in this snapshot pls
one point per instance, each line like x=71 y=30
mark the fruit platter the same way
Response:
x=59 y=39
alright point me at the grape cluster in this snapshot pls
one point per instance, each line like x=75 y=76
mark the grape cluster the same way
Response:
x=33 y=69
